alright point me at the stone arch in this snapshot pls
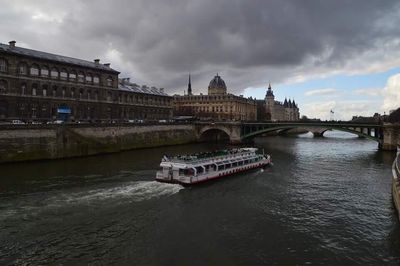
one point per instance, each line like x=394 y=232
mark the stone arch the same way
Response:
x=210 y=133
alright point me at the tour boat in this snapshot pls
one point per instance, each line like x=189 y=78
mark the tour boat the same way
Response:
x=193 y=169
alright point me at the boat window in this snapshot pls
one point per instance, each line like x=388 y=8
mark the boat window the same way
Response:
x=199 y=170
x=220 y=167
x=181 y=171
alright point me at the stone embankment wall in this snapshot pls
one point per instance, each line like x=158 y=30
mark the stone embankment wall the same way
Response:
x=396 y=183
x=37 y=142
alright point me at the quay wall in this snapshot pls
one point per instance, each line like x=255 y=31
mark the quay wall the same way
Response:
x=396 y=183
x=38 y=142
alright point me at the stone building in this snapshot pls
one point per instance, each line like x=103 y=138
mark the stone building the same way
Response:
x=39 y=86
x=275 y=110
x=218 y=104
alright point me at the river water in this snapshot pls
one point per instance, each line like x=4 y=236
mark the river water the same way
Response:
x=325 y=201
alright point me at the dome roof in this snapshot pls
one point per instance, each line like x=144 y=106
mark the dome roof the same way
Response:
x=217 y=82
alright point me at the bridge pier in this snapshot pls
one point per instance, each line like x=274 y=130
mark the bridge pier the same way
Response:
x=391 y=137
x=318 y=134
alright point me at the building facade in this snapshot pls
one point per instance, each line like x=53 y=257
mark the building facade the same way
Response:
x=39 y=86
x=277 y=111
x=218 y=104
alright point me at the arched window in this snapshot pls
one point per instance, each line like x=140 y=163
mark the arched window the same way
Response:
x=109 y=81
x=89 y=78
x=23 y=89
x=81 y=77
x=63 y=74
x=44 y=90
x=96 y=79
x=72 y=92
x=34 y=70
x=80 y=93
x=54 y=73
x=54 y=91
x=3 y=86
x=34 y=89
x=3 y=65
x=89 y=94
x=44 y=72
x=22 y=68
x=63 y=92
x=72 y=75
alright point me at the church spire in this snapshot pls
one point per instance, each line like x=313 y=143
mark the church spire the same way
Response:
x=189 y=87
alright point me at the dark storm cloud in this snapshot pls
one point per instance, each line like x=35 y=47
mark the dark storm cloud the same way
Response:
x=250 y=42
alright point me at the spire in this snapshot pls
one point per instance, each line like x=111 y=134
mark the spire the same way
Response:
x=189 y=87
x=269 y=91
x=285 y=103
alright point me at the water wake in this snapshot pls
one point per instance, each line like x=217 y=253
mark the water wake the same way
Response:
x=136 y=191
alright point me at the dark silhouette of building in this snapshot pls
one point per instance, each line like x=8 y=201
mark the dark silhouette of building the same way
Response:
x=39 y=86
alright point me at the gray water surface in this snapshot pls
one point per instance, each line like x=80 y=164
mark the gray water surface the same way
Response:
x=325 y=201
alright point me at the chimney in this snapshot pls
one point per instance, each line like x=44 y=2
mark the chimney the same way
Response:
x=162 y=90
x=12 y=44
x=128 y=80
x=97 y=61
x=107 y=65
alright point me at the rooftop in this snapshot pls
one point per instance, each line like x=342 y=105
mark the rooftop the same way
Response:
x=126 y=85
x=12 y=49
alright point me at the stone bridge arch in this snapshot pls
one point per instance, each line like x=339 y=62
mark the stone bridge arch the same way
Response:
x=207 y=132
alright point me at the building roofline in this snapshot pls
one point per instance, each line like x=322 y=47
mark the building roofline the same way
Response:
x=54 y=57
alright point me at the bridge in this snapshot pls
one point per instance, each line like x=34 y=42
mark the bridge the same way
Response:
x=385 y=134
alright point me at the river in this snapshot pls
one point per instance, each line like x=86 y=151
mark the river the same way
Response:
x=325 y=201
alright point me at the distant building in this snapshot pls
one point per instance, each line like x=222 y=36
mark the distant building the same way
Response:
x=376 y=118
x=218 y=104
x=275 y=110
x=39 y=86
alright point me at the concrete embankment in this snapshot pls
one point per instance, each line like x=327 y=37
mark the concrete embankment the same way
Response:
x=62 y=141
x=396 y=183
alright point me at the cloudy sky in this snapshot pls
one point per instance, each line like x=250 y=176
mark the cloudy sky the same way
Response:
x=327 y=55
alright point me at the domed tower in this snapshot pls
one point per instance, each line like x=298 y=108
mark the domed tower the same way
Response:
x=269 y=103
x=217 y=86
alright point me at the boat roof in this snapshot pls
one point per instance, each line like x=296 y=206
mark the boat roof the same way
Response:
x=217 y=157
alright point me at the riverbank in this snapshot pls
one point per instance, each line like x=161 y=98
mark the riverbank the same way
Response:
x=65 y=141
x=396 y=183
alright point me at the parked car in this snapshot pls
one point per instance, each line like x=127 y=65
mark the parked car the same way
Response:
x=17 y=122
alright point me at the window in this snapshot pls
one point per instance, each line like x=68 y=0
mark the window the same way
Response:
x=88 y=94
x=109 y=81
x=3 y=86
x=81 y=77
x=63 y=74
x=44 y=90
x=96 y=79
x=54 y=91
x=72 y=76
x=72 y=92
x=54 y=73
x=22 y=69
x=63 y=92
x=44 y=72
x=34 y=70
x=23 y=89
x=3 y=65
x=34 y=89
x=80 y=94
x=89 y=78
